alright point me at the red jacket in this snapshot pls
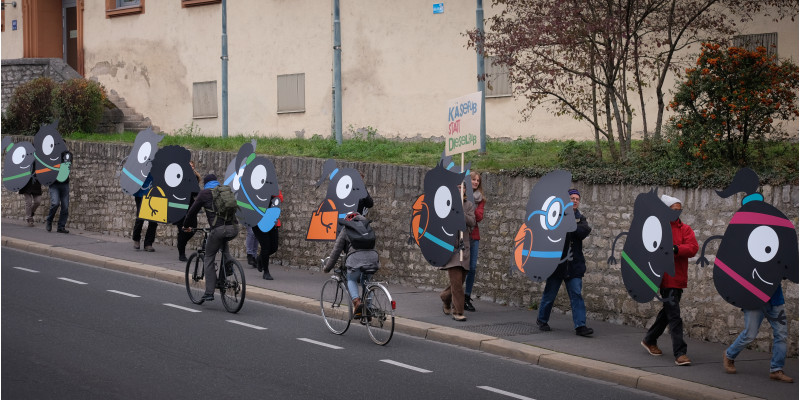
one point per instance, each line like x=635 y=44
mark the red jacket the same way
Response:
x=683 y=237
x=476 y=235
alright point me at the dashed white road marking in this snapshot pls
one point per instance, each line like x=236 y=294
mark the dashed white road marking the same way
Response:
x=181 y=307
x=73 y=281
x=261 y=328
x=503 y=392
x=330 y=346
x=123 y=293
x=27 y=270
x=411 y=367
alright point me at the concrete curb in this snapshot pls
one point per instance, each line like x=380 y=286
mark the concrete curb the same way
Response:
x=626 y=376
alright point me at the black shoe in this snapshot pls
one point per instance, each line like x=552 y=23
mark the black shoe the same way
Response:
x=62 y=230
x=258 y=265
x=149 y=249
x=228 y=270
x=468 y=304
x=267 y=276
x=207 y=297
x=251 y=260
x=543 y=326
x=182 y=257
x=583 y=331
x=48 y=226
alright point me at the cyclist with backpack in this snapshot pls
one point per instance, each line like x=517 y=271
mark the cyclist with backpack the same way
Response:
x=357 y=240
x=220 y=206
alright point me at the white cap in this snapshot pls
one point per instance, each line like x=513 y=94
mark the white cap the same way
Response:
x=669 y=200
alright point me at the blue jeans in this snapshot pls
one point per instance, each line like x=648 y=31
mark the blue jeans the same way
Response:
x=59 y=197
x=251 y=243
x=473 y=262
x=355 y=279
x=752 y=321
x=574 y=287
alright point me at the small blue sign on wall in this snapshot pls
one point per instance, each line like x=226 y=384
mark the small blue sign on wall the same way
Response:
x=438 y=8
x=13 y=24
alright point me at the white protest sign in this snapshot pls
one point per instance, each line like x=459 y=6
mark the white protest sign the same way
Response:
x=464 y=124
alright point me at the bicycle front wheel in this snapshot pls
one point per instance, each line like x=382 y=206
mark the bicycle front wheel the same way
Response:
x=195 y=282
x=233 y=286
x=379 y=314
x=336 y=306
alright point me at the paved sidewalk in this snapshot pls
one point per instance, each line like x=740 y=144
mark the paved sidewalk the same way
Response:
x=612 y=354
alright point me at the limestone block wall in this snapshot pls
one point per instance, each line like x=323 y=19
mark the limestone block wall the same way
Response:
x=98 y=204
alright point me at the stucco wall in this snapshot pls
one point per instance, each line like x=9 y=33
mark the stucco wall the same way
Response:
x=98 y=204
x=400 y=65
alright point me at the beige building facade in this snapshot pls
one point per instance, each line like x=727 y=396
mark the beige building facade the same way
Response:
x=401 y=63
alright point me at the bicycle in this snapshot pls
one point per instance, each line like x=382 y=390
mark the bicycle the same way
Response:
x=231 y=281
x=377 y=307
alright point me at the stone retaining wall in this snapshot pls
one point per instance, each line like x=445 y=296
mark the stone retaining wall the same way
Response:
x=98 y=204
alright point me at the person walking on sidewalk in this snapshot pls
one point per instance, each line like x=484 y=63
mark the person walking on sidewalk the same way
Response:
x=32 y=192
x=59 y=198
x=571 y=273
x=251 y=246
x=684 y=246
x=457 y=268
x=222 y=231
x=773 y=310
x=474 y=237
x=184 y=236
x=268 y=242
x=150 y=234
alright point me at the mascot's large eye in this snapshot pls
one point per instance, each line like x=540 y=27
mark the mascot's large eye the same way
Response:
x=258 y=177
x=144 y=152
x=651 y=233
x=173 y=175
x=443 y=201
x=344 y=187
x=48 y=144
x=552 y=213
x=763 y=243
x=19 y=155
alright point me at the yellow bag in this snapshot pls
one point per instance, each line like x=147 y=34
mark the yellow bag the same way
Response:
x=154 y=208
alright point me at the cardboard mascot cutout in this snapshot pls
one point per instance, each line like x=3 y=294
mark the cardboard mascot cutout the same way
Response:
x=18 y=165
x=136 y=166
x=758 y=249
x=345 y=190
x=438 y=214
x=53 y=159
x=647 y=253
x=173 y=183
x=539 y=242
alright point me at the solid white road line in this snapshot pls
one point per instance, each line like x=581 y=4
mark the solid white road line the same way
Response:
x=411 y=367
x=503 y=392
x=261 y=328
x=123 y=293
x=330 y=346
x=73 y=281
x=181 y=307
x=27 y=270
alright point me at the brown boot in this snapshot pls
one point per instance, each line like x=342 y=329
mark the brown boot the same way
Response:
x=357 y=307
x=727 y=363
x=780 y=376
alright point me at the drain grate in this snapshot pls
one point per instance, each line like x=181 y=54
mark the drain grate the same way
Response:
x=505 y=329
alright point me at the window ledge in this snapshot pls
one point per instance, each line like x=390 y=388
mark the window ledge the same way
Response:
x=124 y=11
x=193 y=3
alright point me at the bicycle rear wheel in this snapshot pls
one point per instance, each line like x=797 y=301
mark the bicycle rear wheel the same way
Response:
x=379 y=314
x=195 y=280
x=336 y=306
x=233 y=287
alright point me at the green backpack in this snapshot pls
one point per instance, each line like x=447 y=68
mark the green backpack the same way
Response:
x=225 y=205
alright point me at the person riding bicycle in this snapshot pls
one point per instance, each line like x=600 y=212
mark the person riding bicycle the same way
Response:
x=222 y=231
x=361 y=263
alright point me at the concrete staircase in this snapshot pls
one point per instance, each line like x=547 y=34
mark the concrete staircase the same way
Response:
x=130 y=119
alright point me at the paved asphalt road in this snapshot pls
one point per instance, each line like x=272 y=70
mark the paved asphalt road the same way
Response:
x=72 y=331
